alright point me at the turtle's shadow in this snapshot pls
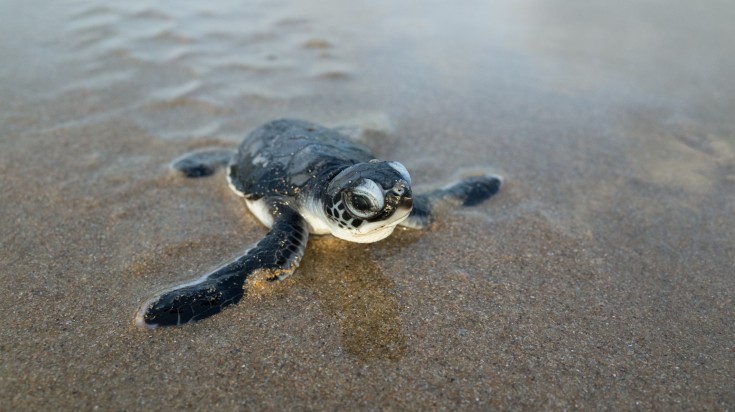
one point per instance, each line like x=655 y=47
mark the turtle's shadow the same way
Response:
x=352 y=288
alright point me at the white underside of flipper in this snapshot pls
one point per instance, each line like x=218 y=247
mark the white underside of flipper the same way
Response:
x=261 y=211
x=258 y=207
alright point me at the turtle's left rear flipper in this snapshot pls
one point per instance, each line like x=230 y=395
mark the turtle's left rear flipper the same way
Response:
x=203 y=163
x=277 y=255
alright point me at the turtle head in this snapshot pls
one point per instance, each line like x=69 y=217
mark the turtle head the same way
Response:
x=366 y=201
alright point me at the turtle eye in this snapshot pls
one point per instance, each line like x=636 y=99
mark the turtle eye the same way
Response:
x=365 y=200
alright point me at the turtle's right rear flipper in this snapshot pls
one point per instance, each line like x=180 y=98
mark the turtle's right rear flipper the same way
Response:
x=203 y=163
x=276 y=256
x=470 y=191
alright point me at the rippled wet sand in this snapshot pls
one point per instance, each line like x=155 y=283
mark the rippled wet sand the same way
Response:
x=601 y=277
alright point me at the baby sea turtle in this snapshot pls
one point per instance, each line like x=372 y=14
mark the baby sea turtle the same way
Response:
x=299 y=178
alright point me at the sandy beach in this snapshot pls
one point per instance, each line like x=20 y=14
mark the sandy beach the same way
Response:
x=600 y=278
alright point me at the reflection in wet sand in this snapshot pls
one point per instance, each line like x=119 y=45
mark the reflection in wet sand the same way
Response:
x=353 y=289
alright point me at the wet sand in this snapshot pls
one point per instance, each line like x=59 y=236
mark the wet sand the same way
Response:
x=600 y=278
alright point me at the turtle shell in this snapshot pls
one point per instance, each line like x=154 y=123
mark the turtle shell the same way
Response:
x=291 y=157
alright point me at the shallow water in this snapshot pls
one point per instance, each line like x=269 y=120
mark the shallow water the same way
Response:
x=600 y=277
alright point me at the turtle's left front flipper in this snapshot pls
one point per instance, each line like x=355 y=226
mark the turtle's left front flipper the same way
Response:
x=276 y=256
x=203 y=163
x=467 y=192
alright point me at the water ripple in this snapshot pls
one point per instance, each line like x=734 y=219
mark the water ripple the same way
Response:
x=189 y=69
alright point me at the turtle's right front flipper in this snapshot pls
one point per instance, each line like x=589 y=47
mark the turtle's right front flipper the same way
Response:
x=277 y=255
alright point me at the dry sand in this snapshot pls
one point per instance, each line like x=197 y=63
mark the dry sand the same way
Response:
x=600 y=278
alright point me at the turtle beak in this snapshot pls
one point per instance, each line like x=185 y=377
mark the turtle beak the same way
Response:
x=406 y=203
x=403 y=189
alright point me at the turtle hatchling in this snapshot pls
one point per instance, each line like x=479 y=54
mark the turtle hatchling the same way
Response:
x=301 y=179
